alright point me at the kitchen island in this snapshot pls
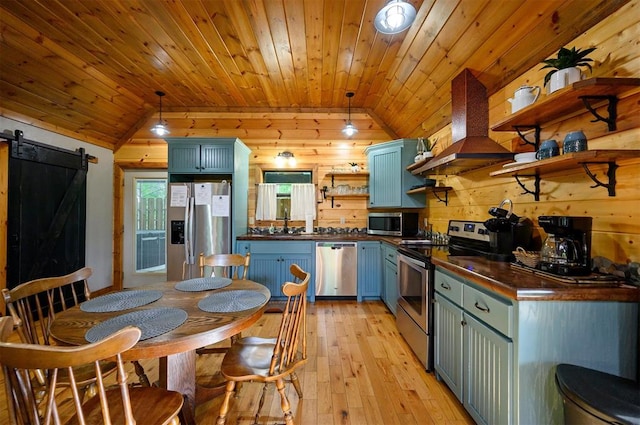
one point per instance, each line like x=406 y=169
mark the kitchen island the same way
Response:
x=501 y=332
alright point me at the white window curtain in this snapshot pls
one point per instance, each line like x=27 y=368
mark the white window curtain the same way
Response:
x=267 y=202
x=303 y=201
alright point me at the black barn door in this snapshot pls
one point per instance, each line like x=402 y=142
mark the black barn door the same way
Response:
x=46 y=226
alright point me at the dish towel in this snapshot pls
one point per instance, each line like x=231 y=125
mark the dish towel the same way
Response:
x=303 y=201
x=267 y=202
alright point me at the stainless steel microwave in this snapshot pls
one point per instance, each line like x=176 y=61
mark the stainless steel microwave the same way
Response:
x=393 y=223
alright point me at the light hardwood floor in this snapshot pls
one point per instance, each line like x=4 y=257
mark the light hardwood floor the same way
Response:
x=360 y=372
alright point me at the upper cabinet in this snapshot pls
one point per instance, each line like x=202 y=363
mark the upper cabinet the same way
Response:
x=389 y=181
x=204 y=156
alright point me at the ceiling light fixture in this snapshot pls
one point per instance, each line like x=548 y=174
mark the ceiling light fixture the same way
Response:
x=160 y=129
x=285 y=158
x=350 y=129
x=395 y=17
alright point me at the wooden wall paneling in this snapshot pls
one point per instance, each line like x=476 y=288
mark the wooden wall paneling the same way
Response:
x=150 y=152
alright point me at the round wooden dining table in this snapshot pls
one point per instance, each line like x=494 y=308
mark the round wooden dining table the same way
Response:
x=176 y=349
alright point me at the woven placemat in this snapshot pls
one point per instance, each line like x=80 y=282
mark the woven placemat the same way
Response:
x=118 y=301
x=203 y=284
x=232 y=301
x=152 y=322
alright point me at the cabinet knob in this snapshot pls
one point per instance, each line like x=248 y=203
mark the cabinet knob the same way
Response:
x=445 y=286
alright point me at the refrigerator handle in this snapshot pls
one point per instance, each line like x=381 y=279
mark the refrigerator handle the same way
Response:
x=191 y=257
x=187 y=234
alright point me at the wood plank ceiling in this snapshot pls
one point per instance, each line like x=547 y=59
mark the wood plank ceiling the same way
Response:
x=264 y=69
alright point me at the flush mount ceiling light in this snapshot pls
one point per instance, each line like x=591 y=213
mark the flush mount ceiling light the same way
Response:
x=285 y=158
x=160 y=129
x=350 y=129
x=395 y=17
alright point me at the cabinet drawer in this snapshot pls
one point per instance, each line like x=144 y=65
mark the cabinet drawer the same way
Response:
x=282 y=247
x=389 y=253
x=448 y=286
x=492 y=311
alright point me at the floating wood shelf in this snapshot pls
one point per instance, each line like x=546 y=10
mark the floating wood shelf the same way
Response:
x=589 y=94
x=435 y=190
x=344 y=195
x=568 y=161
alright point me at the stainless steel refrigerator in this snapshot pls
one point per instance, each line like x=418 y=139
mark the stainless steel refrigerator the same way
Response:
x=199 y=221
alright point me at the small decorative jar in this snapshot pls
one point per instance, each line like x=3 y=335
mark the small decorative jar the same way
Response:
x=574 y=141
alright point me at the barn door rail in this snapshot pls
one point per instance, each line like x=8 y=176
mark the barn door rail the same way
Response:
x=29 y=149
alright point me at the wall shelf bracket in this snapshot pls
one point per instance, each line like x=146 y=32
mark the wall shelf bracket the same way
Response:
x=446 y=196
x=536 y=134
x=612 y=109
x=611 y=176
x=536 y=191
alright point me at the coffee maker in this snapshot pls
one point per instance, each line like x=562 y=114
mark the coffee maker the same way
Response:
x=567 y=249
x=507 y=231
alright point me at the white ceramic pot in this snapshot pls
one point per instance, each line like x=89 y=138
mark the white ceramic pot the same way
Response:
x=563 y=78
x=427 y=154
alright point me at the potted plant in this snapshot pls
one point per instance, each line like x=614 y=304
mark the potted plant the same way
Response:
x=428 y=147
x=565 y=67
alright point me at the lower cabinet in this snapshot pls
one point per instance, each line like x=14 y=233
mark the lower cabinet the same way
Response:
x=474 y=359
x=369 y=269
x=389 y=276
x=270 y=262
x=498 y=355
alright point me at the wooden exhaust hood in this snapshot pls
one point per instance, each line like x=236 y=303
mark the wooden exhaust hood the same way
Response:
x=471 y=148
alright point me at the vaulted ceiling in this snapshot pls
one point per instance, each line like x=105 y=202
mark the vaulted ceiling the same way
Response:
x=264 y=69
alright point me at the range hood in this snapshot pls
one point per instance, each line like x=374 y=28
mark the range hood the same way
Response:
x=471 y=148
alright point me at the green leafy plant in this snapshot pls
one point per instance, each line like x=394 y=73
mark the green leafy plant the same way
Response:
x=429 y=145
x=567 y=58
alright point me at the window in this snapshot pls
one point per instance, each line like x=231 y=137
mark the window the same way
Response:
x=284 y=179
x=151 y=218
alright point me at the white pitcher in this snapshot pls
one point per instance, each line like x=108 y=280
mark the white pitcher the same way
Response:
x=524 y=96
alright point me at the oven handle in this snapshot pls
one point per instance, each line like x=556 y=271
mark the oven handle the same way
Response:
x=410 y=260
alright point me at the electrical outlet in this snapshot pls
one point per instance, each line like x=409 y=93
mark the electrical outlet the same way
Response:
x=342 y=220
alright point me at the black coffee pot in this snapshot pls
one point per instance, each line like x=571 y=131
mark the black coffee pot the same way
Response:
x=567 y=247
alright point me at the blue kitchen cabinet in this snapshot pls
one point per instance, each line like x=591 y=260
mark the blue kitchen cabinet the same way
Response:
x=389 y=276
x=205 y=156
x=369 y=270
x=270 y=262
x=498 y=355
x=389 y=180
x=472 y=355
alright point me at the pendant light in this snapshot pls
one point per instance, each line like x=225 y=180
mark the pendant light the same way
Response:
x=395 y=17
x=350 y=129
x=160 y=129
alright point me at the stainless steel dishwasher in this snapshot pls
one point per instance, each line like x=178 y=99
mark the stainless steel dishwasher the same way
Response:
x=336 y=269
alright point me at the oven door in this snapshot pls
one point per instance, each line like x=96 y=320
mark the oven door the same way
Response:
x=413 y=289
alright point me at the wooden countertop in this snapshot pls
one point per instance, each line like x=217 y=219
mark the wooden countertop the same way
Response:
x=521 y=285
x=495 y=276
x=320 y=237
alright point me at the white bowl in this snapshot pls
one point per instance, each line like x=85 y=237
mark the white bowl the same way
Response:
x=525 y=157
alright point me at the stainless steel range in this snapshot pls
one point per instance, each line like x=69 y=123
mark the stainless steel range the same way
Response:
x=414 y=317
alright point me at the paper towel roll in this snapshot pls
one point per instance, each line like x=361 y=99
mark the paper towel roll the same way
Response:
x=309 y=223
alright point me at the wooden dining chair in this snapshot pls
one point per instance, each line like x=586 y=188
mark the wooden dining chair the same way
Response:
x=119 y=405
x=234 y=266
x=275 y=359
x=33 y=306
